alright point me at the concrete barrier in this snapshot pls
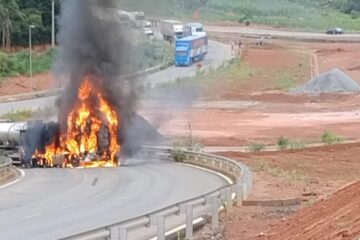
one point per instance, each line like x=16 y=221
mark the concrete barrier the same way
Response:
x=159 y=223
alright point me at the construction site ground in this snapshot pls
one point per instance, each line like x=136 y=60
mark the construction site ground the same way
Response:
x=257 y=112
x=260 y=110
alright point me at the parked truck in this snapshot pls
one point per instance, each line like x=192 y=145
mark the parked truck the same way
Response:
x=171 y=30
x=190 y=49
x=138 y=20
x=194 y=28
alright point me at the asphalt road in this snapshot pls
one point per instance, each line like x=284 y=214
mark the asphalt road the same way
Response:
x=52 y=203
x=253 y=32
x=218 y=53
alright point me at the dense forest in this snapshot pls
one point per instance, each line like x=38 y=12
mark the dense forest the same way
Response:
x=17 y=15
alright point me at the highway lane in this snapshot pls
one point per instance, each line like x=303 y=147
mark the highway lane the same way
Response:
x=53 y=203
x=218 y=53
x=284 y=34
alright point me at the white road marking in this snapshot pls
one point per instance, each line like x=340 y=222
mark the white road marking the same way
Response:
x=69 y=206
x=32 y=216
x=22 y=175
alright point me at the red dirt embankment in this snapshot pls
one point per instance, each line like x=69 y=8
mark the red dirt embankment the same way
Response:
x=337 y=217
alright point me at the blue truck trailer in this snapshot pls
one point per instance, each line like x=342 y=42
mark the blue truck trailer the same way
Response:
x=190 y=49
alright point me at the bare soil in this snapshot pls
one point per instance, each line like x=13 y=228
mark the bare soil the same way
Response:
x=262 y=123
x=312 y=175
x=22 y=84
x=335 y=218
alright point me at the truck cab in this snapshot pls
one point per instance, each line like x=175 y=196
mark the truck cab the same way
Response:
x=194 y=29
x=190 y=49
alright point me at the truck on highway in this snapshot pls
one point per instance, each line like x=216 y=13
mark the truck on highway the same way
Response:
x=171 y=30
x=190 y=49
x=194 y=28
x=138 y=20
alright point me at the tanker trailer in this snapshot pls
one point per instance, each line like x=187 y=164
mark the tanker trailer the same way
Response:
x=20 y=140
x=10 y=134
x=11 y=139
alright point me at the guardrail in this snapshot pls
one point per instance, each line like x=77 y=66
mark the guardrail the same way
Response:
x=5 y=169
x=159 y=223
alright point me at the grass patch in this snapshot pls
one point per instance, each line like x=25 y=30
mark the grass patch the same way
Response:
x=178 y=153
x=284 y=143
x=297 y=145
x=15 y=64
x=256 y=147
x=18 y=116
x=151 y=53
x=291 y=176
x=285 y=82
x=331 y=138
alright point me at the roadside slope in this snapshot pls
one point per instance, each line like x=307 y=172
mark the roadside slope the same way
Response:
x=336 y=217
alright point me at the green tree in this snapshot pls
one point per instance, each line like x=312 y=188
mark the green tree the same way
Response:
x=9 y=10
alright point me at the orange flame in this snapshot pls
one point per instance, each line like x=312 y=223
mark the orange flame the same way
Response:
x=91 y=116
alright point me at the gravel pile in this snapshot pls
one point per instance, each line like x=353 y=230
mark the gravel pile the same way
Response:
x=334 y=81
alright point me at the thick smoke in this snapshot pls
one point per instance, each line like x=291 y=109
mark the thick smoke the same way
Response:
x=94 y=44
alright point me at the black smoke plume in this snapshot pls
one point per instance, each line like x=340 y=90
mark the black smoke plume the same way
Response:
x=93 y=42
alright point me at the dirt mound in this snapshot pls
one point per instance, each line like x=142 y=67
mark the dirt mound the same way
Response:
x=334 y=81
x=334 y=218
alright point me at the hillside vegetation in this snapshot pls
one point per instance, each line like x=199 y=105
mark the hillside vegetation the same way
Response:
x=149 y=53
x=303 y=14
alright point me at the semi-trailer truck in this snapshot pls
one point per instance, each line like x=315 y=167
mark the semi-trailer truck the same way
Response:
x=171 y=30
x=194 y=28
x=190 y=49
x=138 y=20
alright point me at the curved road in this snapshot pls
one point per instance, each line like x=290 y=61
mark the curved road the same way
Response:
x=284 y=34
x=218 y=53
x=53 y=203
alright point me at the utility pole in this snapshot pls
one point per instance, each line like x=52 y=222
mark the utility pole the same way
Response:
x=30 y=60
x=53 y=23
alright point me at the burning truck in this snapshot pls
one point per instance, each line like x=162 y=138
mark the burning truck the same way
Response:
x=97 y=124
x=94 y=134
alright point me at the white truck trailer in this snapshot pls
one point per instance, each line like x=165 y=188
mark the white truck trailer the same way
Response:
x=194 y=29
x=138 y=20
x=171 y=30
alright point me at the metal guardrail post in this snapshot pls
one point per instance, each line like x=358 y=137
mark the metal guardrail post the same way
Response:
x=160 y=224
x=114 y=233
x=189 y=222
x=214 y=214
x=123 y=233
x=229 y=201
x=239 y=194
